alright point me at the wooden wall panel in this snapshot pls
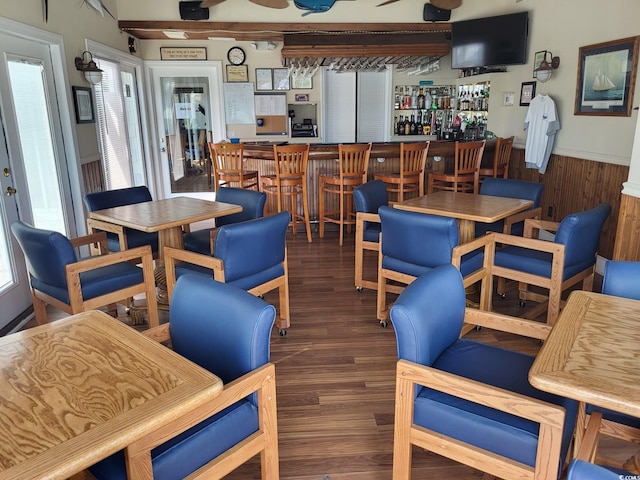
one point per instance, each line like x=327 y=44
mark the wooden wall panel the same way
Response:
x=627 y=245
x=573 y=185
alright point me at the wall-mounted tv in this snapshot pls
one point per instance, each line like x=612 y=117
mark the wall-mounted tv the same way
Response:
x=490 y=41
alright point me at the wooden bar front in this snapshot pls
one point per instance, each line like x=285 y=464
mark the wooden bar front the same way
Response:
x=323 y=160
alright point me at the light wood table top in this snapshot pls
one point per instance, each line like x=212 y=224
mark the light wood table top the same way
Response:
x=161 y=215
x=76 y=390
x=592 y=354
x=467 y=208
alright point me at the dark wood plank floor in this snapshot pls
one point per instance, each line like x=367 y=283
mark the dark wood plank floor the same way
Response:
x=335 y=374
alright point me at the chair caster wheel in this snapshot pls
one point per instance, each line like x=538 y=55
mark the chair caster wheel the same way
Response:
x=384 y=323
x=359 y=289
x=282 y=332
x=503 y=295
x=478 y=328
x=261 y=297
x=522 y=303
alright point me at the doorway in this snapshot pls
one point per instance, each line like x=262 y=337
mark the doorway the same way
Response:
x=188 y=107
x=35 y=182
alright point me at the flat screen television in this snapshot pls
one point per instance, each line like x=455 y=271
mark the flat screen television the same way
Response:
x=490 y=41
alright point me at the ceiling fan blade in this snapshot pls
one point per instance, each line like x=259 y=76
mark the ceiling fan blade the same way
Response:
x=446 y=4
x=210 y=3
x=271 y=3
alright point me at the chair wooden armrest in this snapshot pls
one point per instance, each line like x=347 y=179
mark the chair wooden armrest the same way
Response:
x=506 y=323
x=93 y=225
x=367 y=217
x=160 y=333
x=549 y=416
x=531 y=224
x=262 y=381
x=534 y=214
x=174 y=255
x=97 y=241
x=484 y=274
x=532 y=243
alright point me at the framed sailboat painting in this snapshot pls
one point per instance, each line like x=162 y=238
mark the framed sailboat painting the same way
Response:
x=607 y=78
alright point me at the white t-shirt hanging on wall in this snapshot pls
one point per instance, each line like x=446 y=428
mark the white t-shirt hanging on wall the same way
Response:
x=542 y=123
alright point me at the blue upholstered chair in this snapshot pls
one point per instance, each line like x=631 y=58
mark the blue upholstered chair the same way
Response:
x=252 y=203
x=501 y=187
x=466 y=400
x=368 y=198
x=250 y=255
x=415 y=243
x=120 y=238
x=583 y=470
x=556 y=265
x=226 y=331
x=60 y=278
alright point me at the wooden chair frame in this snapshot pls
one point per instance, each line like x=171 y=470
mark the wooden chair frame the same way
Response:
x=465 y=177
x=174 y=255
x=264 y=442
x=410 y=178
x=501 y=159
x=78 y=304
x=553 y=301
x=361 y=246
x=289 y=182
x=549 y=416
x=353 y=165
x=227 y=161
x=482 y=275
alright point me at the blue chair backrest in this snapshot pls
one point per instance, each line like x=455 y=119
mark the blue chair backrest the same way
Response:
x=220 y=327
x=581 y=470
x=580 y=234
x=46 y=253
x=252 y=203
x=502 y=187
x=116 y=198
x=370 y=196
x=417 y=238
x=428 y=315
x=251 y=247
x=621 y=279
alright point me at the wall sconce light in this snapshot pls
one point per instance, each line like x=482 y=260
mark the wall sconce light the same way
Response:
x=92 y=73
x=547 y=66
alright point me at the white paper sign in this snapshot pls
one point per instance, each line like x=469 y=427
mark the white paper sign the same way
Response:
x=185 y=110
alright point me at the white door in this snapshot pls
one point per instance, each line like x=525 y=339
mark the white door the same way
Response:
x=31 y=161
x=188 y=109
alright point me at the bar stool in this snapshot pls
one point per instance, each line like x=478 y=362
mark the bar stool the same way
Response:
x=501 y=158
x=227 y=160
x=353 y=162
x=465 y=177
x=290 y=182
x=410 y=178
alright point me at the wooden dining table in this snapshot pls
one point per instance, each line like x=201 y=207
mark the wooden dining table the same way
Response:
x=79 y=389
x=466 y=208
x=592 y=355
x=167 y=217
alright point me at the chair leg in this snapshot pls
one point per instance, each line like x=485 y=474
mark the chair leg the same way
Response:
x=321 y=209
x=39 y=309
x=269 y=462
x=402 y=429
x=294 y=213
x=305 y=209
x=429 y=184
x=341 y=213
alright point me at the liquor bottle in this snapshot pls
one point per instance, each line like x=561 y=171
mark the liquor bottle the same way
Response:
x=421 y=99
x=414 y=98
x=407 y=126
x=407 y=98
x=419 y=124
x=412 y=126
x=396 y=104
x=400 y=127
x=428 y=99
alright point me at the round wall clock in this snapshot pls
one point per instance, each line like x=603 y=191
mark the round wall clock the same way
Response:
x=236 y=56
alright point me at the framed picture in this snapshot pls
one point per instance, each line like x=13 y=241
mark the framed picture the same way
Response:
x=281 y=79
x=237 y=73
x=264 y=79
x=83 y=104
x=537 y=60
x=527 y=92
x=607 y=77
x=302 y=82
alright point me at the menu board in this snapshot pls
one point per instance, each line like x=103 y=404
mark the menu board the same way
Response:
x=271 y=113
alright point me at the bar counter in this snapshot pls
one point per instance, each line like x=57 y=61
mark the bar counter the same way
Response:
x=323 y=160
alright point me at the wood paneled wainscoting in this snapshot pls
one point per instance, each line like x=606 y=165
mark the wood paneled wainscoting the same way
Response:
x=627 y=244
x=573 y=185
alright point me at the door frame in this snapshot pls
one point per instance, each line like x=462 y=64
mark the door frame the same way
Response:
x=71 y=165
x=217 y=118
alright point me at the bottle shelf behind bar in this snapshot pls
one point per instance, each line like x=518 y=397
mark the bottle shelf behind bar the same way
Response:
x=421 y=110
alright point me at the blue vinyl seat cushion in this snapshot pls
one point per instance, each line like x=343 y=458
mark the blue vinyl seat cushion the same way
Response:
x=582 y=470
x=505 y=434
